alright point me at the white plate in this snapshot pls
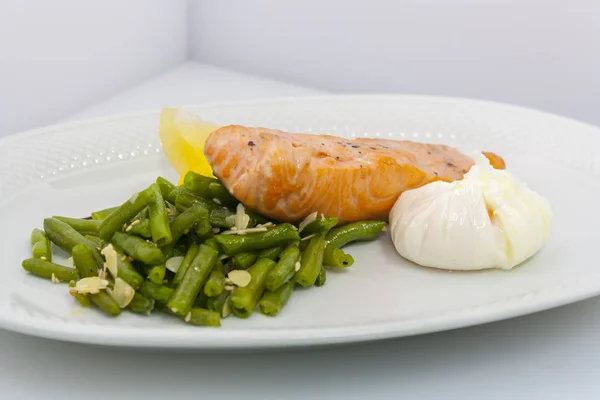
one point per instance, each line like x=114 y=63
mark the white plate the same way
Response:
x=75 y=168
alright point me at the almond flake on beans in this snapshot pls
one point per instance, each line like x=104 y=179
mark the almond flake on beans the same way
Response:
x=90 y=285
x=239 y=277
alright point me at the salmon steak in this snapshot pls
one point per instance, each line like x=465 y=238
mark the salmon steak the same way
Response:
x=288 y=176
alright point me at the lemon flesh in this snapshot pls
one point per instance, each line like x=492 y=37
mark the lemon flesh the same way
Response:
x=183 y=135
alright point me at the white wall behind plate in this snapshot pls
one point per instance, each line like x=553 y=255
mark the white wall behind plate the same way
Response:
x=540 y=53
x=59 y=56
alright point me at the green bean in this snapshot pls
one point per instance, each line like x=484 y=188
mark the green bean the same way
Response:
x=354 y=231
x=244 y=260
x=83 y=226
x=204 y=230
x=156 y=273
x=279 y=235
x=101 y=214
x=141 y=304
x=142 y=229
x=45 y=269
x=222 y=217
x=284 y=270
x=127 y=271
x=221 y=196
x=159 y=219
x=166 y=189
x=198 y=184
x=337 y=258
x=106 y=303
x=220 y=304
x=244 y=299
x=193 y=281
x=271 y=303
x=203 y=317
x=214 y=244
x=215 y=285
x=84 y=300
x=40 y=245
x=320 y=225
x=185 y=200
x=125 y=212
x=63 y=235
x=272 y=254
x=311 y=261
x=84 y=261
x=158 y=292
x=321 y=278
x=138 y=248
x=187 y=260
x=185 y=221
x=100 y=243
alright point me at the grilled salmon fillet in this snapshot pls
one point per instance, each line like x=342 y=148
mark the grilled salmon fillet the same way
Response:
x=288 y=176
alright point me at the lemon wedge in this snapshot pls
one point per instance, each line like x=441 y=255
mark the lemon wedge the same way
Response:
x=183 y=135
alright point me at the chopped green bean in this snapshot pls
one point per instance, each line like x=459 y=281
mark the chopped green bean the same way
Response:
x=321 y=278
x=320 y=225
x=195 y=277
x=214 y=244
x=84 y=261
x=106 y=303
x=337 y=258
x=157 y=292
x=204 y=229
x=244 y=260
x=83 y=226
x=166 y=189
x=222 y=217
x=244 y=299
x=272 y=254
x=185 y=200
x=187 y=260
x=156 y=273
x=100 y=243
x=215 y=285
x=159 y=219
x=40 y=245
x=125 y=212
x=141 y=304
x=101 y=214
x=221 y=196
x=277 y=236
x=203 y=317
x=84 y=300
x=142 y=229
x=311 y=261
x=284 y=270
x=198 y=184
x=63 y=235
x=139 y=249
x=47 y=269
x=271 y=303
x=354 y=231
x=185 y=221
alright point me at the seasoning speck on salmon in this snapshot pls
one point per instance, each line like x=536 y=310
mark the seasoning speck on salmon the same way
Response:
x=287 y=176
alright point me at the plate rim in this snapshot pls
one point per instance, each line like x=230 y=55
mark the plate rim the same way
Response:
x=544 y=299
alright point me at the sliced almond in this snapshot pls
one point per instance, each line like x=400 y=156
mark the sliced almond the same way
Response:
x=54 y=279
x=110 y=255
x=307 y=221
x=244 y=231
x=297 y=266
x=91 y=285
x=239 y=277
x=69 y=262
x=174 y=263
x=122 y=293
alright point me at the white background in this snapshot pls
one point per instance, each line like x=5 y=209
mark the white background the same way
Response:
x=58 y=57
x=540 y=53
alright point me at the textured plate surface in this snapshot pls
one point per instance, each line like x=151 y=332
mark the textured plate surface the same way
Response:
x=76 y=168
